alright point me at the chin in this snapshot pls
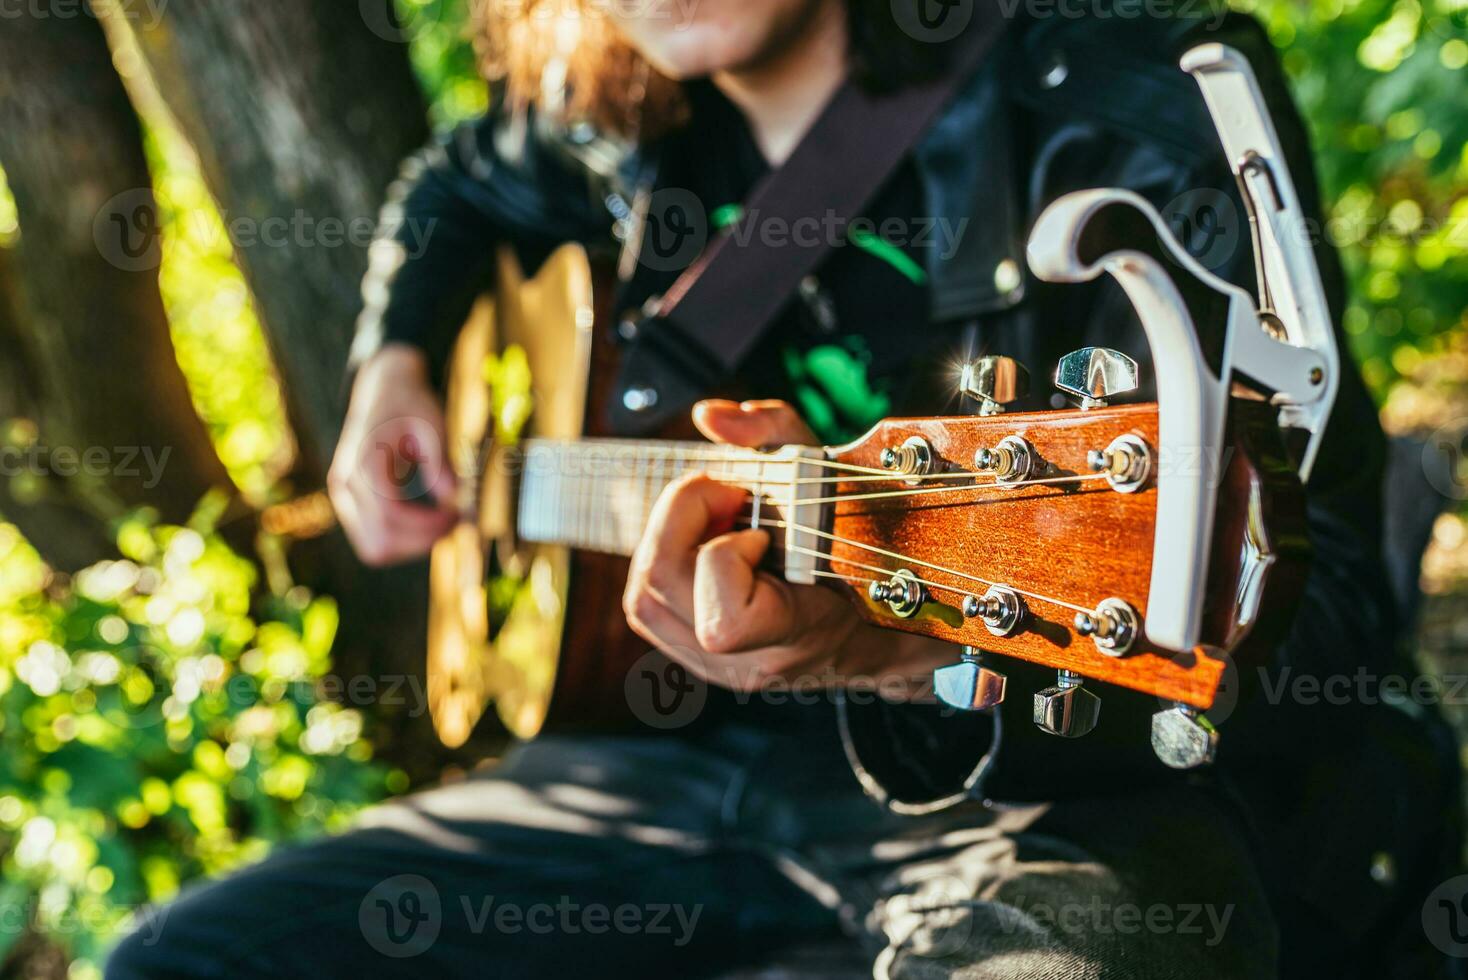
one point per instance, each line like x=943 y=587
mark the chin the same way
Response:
x=703 y=49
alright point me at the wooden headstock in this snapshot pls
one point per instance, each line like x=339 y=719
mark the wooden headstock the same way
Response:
x=1062 y=537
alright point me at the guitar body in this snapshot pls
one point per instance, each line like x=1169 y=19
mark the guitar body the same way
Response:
x=558 y=655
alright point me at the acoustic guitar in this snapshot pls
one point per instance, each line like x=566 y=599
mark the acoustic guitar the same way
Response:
x=1030 y=535
x=1138 y=545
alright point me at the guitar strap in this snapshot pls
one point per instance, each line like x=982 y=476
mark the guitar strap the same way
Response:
x=715 y=313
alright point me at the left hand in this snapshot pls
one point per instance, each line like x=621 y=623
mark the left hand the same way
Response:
x=696 y=591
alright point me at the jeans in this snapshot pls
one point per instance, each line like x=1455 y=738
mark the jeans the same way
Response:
x=655 y=855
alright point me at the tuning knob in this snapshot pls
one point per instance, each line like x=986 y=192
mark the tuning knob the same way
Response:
x=1183 y=738
x=1067 y=709
x=994 y=381
x=1096 y=374
x=968 y=685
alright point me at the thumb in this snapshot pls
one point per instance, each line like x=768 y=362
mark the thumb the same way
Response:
x=755 y=424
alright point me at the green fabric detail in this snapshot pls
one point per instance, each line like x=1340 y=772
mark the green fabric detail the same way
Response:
x=834 y=393
x=889 y=253
x=726 y=215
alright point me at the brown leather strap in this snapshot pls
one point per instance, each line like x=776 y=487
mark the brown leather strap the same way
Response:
x=718 y=309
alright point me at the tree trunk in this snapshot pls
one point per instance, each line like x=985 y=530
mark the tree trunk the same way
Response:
x=301 y=112
x=88 y=350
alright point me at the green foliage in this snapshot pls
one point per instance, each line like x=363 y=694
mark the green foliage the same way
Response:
x=154 y=729
x=1384 y=87
x=9 y=226
x=443 y=55
x=212 y=319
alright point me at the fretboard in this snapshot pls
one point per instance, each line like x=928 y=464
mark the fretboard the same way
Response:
x=598 y=494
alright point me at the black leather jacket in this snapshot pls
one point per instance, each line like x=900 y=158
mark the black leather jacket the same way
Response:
x=1063 y=103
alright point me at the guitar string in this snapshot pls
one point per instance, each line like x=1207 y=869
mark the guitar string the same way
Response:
x=905 y=559
x=908 y=559
x=690 y=456
x=757 y=492
x=868 y=474
x=759 y=486
x=884 y=494
x=872 y=473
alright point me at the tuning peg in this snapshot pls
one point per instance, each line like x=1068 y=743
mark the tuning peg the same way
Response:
x=1113 y=626
x=1183 y=738
x=1095 y=374
x=994 y=381
x=1067 y=709
x=968 y=685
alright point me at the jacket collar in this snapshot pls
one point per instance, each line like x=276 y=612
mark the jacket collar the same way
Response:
x=967 y=167
x=966 y=163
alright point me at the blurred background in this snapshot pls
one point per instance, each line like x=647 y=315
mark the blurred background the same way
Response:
x=192 y=667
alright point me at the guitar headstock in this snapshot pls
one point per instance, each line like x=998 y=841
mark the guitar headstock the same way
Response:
x=1036 y=535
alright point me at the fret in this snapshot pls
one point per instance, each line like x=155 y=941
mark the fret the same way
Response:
x=599 y=494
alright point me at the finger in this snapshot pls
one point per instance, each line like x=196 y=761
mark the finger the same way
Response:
x=755 y=424
x=687 y=514
x=384 y=532
x=737 y=608
x=436 y=473
x=655 y=623
x=403 y=459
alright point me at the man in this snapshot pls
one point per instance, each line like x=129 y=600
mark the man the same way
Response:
x=747 y=833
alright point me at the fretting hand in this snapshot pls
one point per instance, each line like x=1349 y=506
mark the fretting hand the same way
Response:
x=696 y=590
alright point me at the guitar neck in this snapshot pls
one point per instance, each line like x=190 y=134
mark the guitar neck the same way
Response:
x=598 y=494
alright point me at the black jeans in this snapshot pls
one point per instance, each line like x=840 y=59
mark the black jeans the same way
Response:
x=644 y=856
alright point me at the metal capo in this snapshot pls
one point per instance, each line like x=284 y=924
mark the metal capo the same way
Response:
x=1284 y=345
x=1292 y=299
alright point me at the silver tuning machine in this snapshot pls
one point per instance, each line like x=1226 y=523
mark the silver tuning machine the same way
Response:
x=913 y=459
x=968 y=685
x=902 y=593
x=1183 y=738
x=1001 y=609
x=1113 y=626
x=1067 y=709
x=1095 y=375
x=994 y=381
x=1127 y=463
x=1013 y=460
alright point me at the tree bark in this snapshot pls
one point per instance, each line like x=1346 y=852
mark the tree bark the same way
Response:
x=87 y=347
x=301 y=112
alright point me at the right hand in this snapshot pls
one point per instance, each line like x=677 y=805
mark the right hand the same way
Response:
x=394 y=428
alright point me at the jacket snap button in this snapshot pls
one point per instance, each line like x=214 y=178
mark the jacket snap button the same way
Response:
x=639 y=399
x=1055 y=71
